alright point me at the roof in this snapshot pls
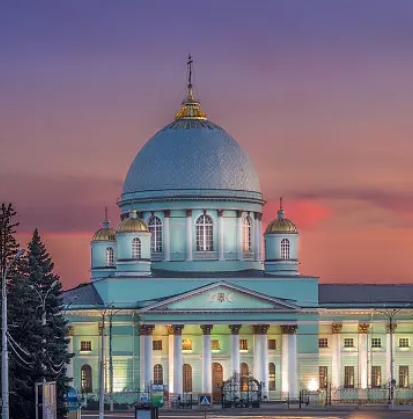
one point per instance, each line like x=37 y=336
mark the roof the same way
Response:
x=364 y=294
x=84 y=295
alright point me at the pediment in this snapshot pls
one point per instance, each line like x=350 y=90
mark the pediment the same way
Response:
x=221 y=296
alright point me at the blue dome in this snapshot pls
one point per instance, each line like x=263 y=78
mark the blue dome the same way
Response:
x=192 y=156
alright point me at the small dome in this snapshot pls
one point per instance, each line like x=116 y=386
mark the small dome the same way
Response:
x=132 y=224
x=281 y=225
x=105 y=234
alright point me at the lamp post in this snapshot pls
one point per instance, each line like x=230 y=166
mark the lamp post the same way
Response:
x=5 y=353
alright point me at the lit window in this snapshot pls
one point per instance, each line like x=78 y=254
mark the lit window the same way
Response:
x=376 y=376
x=215 y=344
x=348 y=342
x=323 y=343
x=243 y=345
x=187 y=378
x=155 y=228
x=109 y=259
x=246 y=235
x=376 y=342
x=404 y=376
x=157 y=345
x=285 y=249
x=158 y=374
x=86 y=379
x=85 y=345
x=349 y=377
x=136 y=248
x=204 y=233
x=271 y=377
x=323 y=377
x=187 y=345
x=403 y=342
x=244 y=372
x=272 y=345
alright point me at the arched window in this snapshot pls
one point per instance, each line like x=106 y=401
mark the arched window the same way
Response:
x=158 y=374
x=204 y=233
x=136 y=248
x=109 y=259
x=155 y=228
x=244 y=372
x=246 y=235
x=271 y=376
x=86 y=378
x=187 y=376
x=285 y=249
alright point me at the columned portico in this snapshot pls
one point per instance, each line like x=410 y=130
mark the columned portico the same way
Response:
x=336 y=355
x=261 y=353
x=289 y=379
x=189 y=235
x=221 y=253
x=175 y=358
x=167 y=237
x=206 y=358
x=363 y=354
x=235 y=328
x=146 y=331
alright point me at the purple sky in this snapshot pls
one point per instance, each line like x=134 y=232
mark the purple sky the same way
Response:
x=319 y=93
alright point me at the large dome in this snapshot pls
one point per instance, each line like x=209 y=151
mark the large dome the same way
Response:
x=188 y=155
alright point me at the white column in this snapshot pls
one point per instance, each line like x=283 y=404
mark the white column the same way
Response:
x=146 y=355
x=177 y=358
x=171 y=361
x=257 y=236
x=388 y=351
x=206 y=358
x=235 y=360
x=167 y=237
x=239 y=236
x=336 y=355
x=221 y=235
x=289 y=377
x=189 y=235
x=363 y=351
x=260 y=354
x=260 y=237
x=70 y=367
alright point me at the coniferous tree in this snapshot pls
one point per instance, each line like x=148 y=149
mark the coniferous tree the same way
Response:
x=8 y=243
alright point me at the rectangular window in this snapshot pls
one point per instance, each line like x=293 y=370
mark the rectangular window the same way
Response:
x=323 y=377
x=404 y=342
x=215 y=344
x=271 y=377
x=157 y=345
x=376 y=376
x=348 y=377
x=187 y=345
x=243 y=345
x=403 y=376
x=323 y=343
x=85 y=345
x=272 y=345
x=376 y=342
x=348 y=342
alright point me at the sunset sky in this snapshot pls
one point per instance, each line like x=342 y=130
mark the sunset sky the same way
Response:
x=319 y=93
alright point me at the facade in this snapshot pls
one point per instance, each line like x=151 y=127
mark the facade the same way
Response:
x=187 y=290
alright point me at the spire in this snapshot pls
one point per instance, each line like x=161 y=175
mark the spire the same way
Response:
x=281 y=212
x=106 y=222
x=190 y=106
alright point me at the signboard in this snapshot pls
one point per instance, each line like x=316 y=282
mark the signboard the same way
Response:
x=46 y=407
x=157 y=395
x=205 y=401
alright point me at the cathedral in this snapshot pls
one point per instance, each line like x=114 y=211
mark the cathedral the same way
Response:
x=186 y=289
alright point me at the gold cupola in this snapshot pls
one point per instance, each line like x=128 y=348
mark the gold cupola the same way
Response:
x=281 y=225
x=132 y=224
x=190 y=106
x=106 y=233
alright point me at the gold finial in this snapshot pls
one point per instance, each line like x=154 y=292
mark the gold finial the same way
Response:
x=190 y=106
x=106 y=223
x=281 y=212
x=106 y=213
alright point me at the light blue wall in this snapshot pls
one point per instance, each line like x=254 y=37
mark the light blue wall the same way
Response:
x=273 y=261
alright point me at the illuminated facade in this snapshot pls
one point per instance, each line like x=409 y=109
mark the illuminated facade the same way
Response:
x=193 y=291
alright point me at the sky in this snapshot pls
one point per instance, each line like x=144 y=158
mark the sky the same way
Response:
x=319 y=93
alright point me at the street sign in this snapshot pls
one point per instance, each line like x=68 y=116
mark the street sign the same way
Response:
x=205 y=401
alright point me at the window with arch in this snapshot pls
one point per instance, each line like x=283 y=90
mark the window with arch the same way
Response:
x=204 y=233
x=244 y=372
x=246 y=235
x=109 y=257
x=155 y=228
x=136 y=248
x=86 y=379
x=271 y=376
x=187 y=378
x=158 y=374
x=285 y=249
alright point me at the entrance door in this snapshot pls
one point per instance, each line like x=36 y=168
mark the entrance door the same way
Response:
x=217 y=381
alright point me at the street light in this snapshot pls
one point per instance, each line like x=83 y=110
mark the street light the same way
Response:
x=5 y=353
